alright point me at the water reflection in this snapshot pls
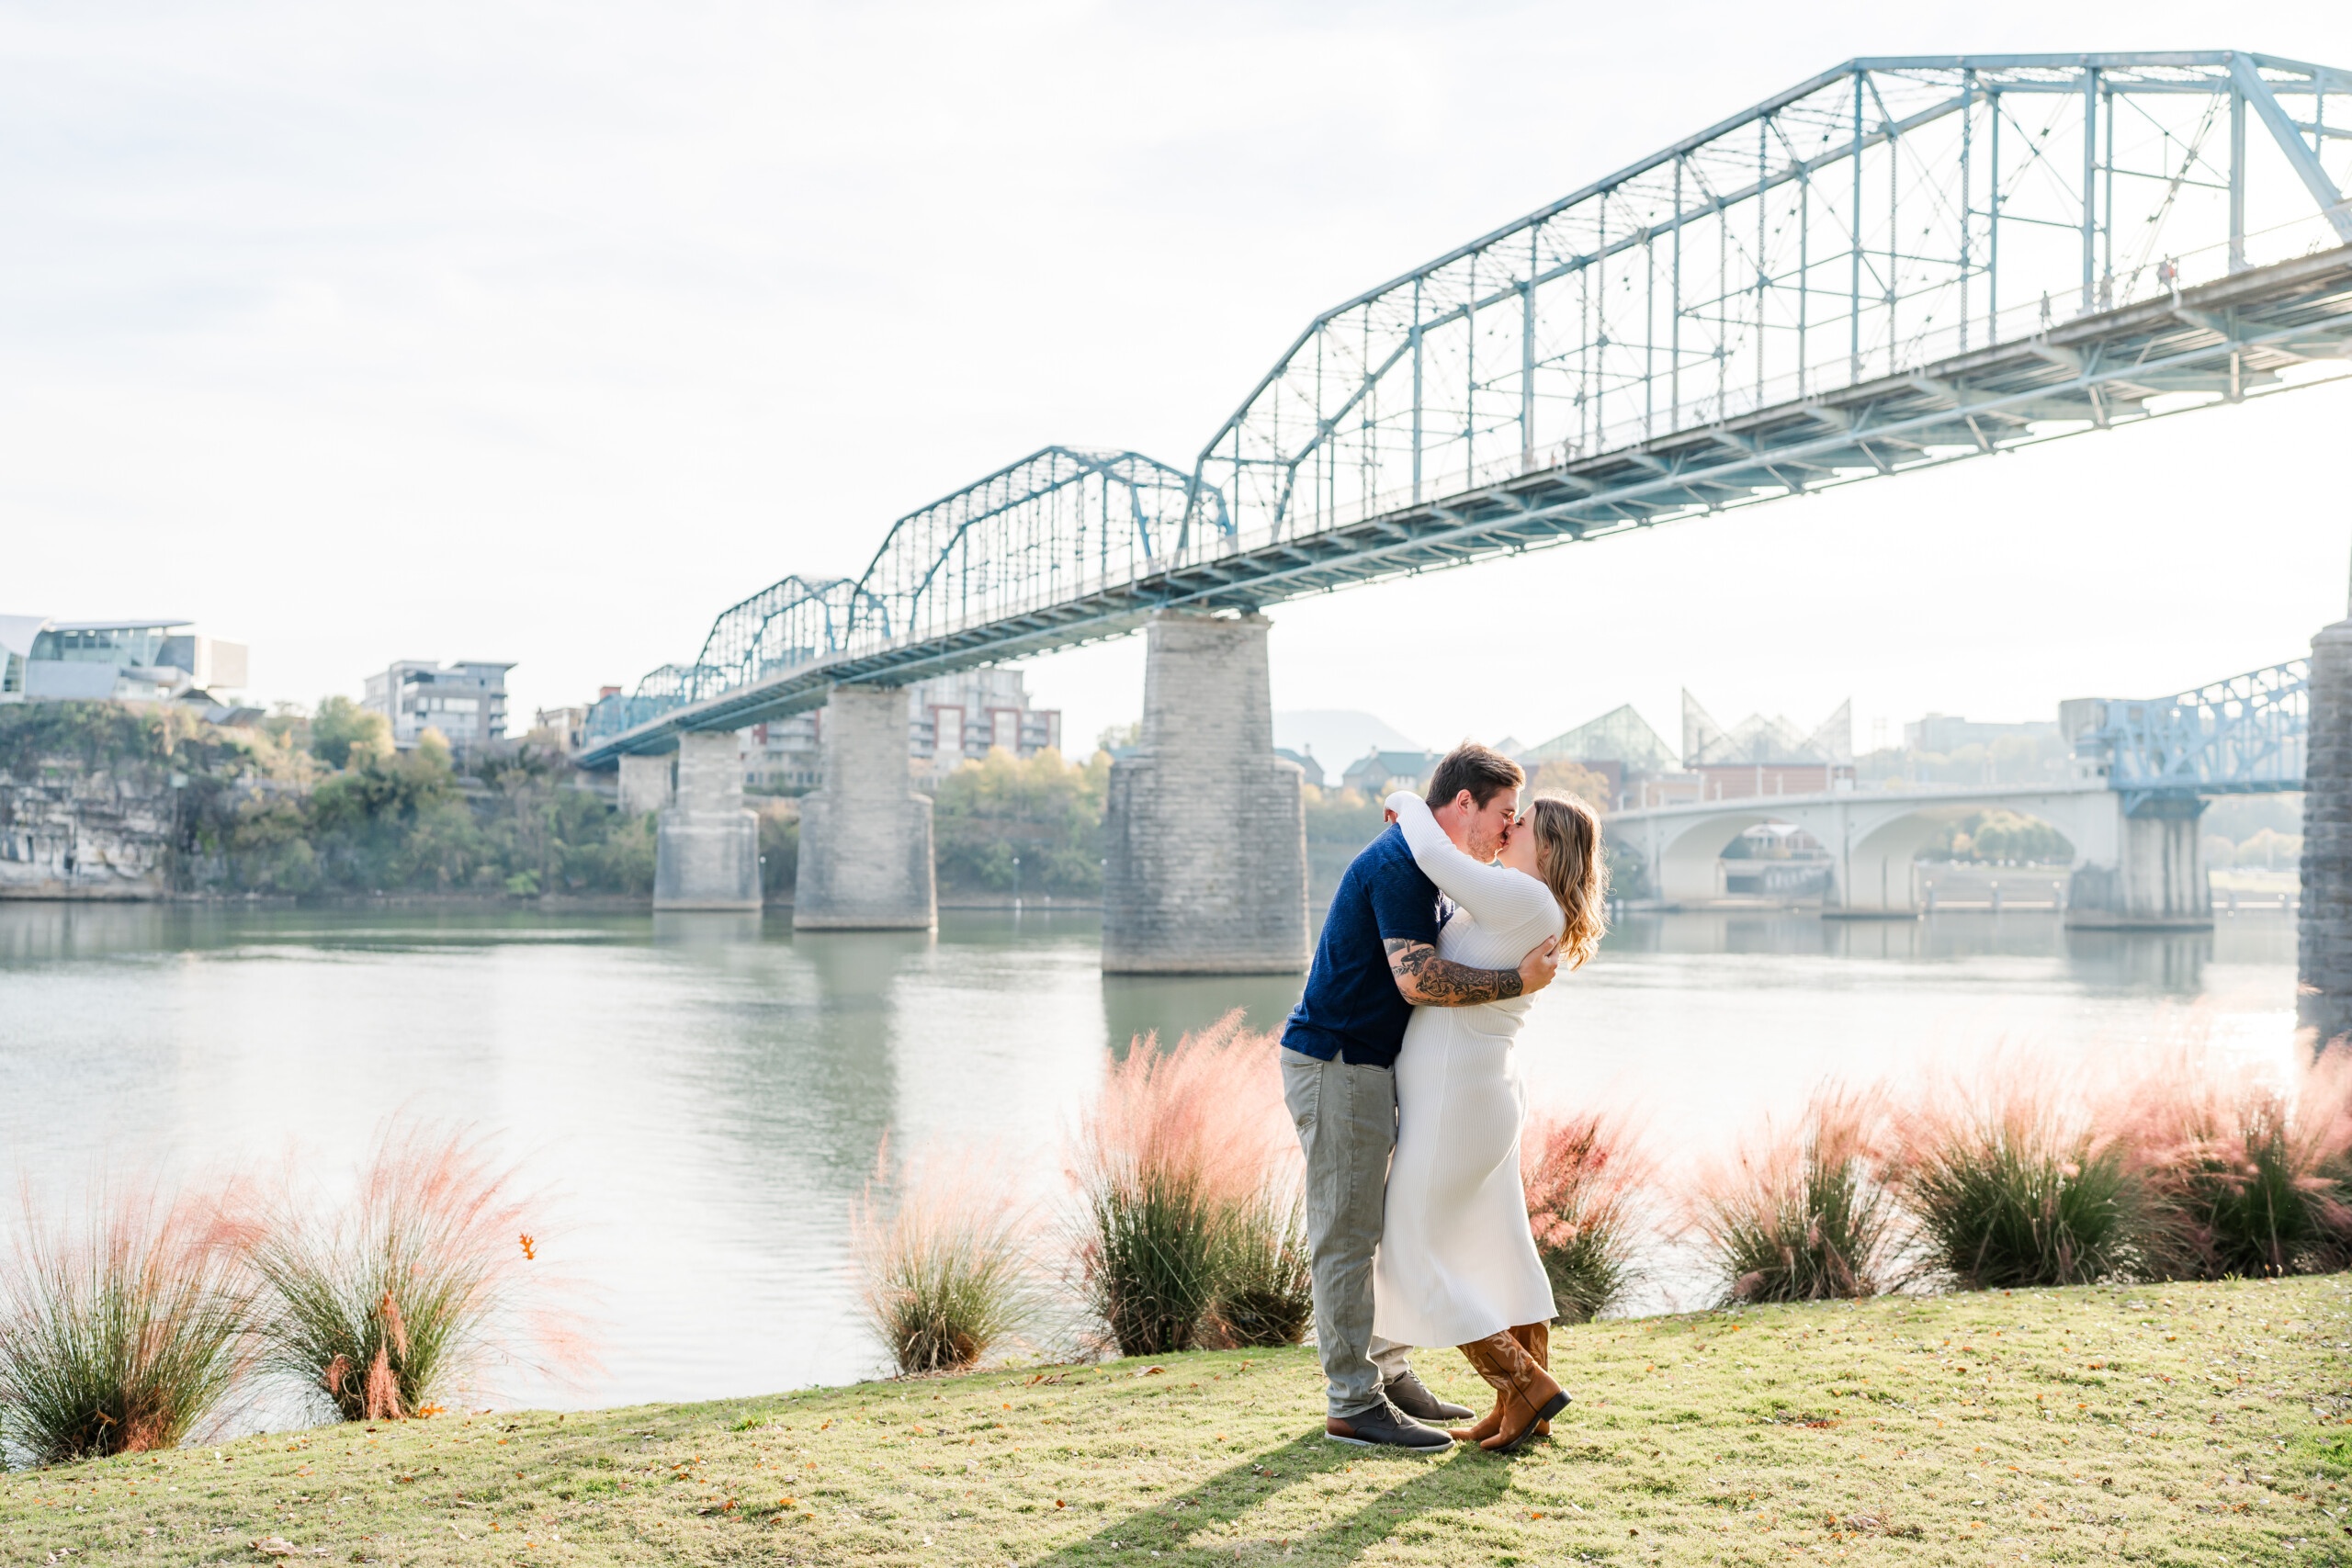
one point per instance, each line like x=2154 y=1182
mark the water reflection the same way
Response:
x=1137 y=1005
x=2169 y=961
x=707 y=929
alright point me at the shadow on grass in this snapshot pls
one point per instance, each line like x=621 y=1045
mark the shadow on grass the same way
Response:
x=1422 y=1486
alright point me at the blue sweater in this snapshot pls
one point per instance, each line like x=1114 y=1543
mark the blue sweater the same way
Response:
x=1351 y=1009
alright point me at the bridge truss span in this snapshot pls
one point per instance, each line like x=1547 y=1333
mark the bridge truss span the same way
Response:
x=1899 y=263
x=2246 y=734
x=1885 y=216
x=1041 y=554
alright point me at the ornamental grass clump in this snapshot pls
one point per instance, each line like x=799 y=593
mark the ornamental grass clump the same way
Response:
x=2010 y=1184
x=1265 y=1293
x=1584 y=1175
x=943 y=1257
x=1803 y=1214
x=1179 y=1157
x=2245 y=1174
x=120 y=1332
x=379 y=1306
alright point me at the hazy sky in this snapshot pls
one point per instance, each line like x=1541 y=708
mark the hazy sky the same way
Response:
x=542 y=333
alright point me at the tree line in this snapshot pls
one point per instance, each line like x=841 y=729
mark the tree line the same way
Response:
x=322 y=804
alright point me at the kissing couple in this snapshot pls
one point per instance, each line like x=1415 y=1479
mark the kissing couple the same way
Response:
x=1398 y=1072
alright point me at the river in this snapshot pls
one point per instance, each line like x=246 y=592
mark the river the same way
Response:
x=706 y=1093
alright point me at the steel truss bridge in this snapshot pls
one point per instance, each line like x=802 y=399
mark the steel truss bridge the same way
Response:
x=2247 y=735
x=1899 y=263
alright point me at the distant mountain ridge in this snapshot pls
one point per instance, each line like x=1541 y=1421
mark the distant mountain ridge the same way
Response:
x=1339 y=736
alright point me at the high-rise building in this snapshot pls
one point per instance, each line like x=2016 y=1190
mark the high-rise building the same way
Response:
x=465 y=701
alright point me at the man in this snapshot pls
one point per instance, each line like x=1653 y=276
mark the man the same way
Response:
x=1376 y=962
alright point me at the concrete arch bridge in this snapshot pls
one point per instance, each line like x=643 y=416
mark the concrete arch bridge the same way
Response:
x=2129 y=871
x=2144 y=770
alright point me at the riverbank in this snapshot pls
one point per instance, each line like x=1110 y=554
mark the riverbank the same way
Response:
x=2181 y=1424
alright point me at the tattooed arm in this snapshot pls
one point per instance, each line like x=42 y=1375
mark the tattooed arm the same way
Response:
x=1426 y=980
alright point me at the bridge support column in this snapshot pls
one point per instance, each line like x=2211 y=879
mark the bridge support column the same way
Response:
x=1205 y=837
x=865 y=834
x=2324 y=997
x=706 y=855
x=646 y=783
x=1872 y=874
x=2148 y=875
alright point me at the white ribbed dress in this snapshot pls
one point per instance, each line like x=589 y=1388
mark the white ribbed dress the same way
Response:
x=1456 y=1262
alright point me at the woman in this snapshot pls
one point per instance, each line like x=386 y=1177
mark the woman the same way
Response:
x=1457 y=1264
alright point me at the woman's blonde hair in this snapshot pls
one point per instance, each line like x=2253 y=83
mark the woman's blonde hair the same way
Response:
x=1567 y=853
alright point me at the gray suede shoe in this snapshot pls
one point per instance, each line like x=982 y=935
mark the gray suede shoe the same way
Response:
x=1386 y=1427
x=1409 y=1393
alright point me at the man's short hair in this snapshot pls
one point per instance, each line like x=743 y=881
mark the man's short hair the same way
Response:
x=1481 y=769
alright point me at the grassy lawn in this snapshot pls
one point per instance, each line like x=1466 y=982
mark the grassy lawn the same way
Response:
x=2176 y=1424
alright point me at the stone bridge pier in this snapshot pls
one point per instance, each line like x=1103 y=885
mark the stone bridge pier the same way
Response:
x=2323 y=933
x=1205 y=835
x=866 y=832
x=647 y=782
x=2149 y=874
x=707 y=852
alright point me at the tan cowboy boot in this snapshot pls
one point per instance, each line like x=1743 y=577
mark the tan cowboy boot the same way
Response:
x=1489 y=1425
x=1527 y=1393
x=1535 y=1338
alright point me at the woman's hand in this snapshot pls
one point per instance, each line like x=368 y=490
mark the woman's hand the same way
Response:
x=1536 y=970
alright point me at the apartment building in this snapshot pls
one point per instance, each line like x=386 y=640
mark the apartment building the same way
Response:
x=465 y=701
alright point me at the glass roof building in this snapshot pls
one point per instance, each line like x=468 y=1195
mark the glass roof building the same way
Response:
x=153 y=659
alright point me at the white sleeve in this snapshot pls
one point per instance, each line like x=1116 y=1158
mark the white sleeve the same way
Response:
x=1497 y=897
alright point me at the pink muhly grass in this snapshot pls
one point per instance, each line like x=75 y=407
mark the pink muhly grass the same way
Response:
x=2010 y=1181
x=1584 y=1175
x=1800 y=1214
x=2245 y=1174
x=944 y=1255
x=1186 y=1168
x=420 y=1278
x=1207 y=1111
x=120 y=1332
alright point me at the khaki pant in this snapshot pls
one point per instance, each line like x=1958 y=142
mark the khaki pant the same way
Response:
x=1346 y=1118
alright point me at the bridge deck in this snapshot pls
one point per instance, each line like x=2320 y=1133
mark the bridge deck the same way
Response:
x=2222 y=342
